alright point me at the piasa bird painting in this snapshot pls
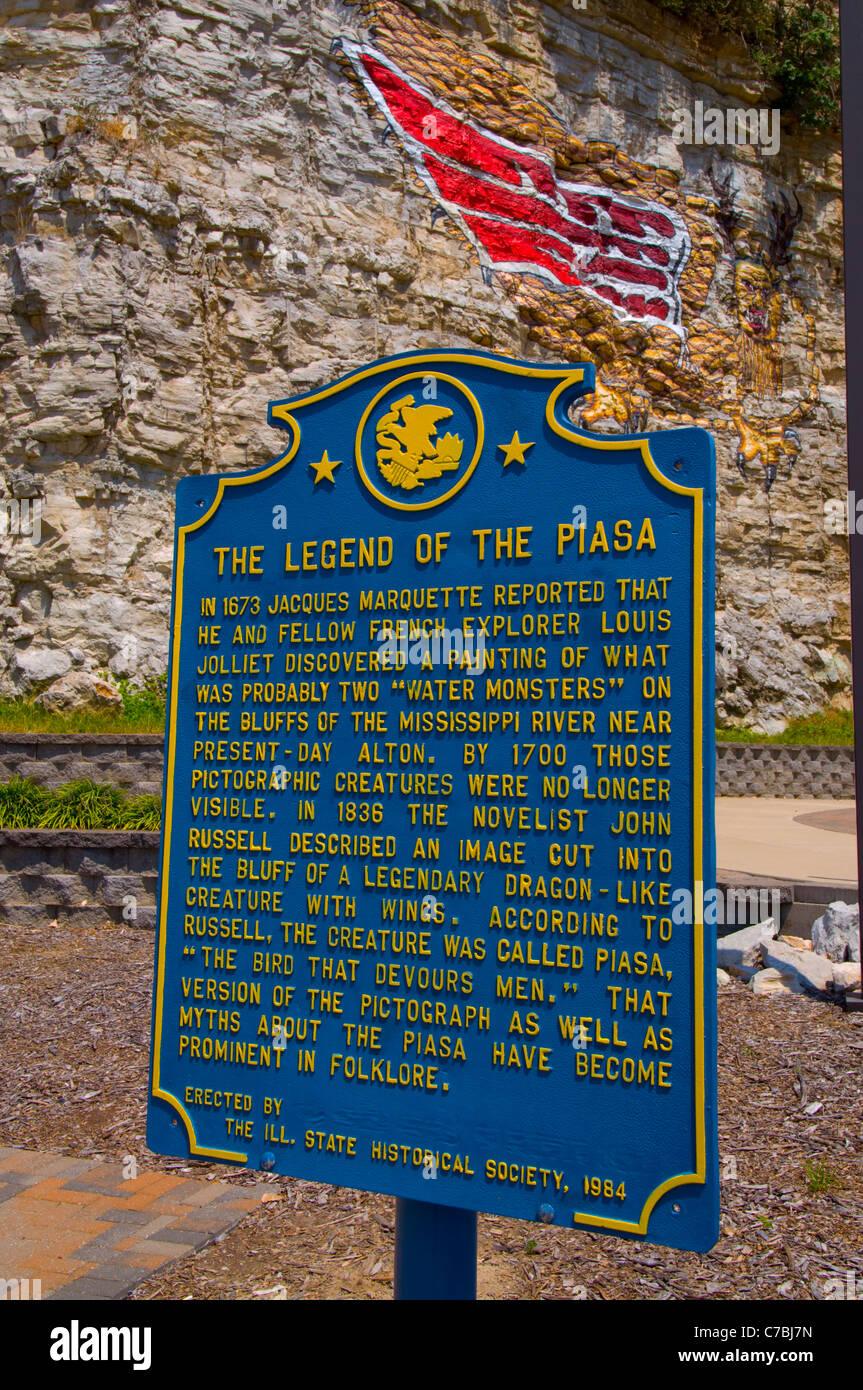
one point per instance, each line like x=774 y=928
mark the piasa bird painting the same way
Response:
x=608 y=259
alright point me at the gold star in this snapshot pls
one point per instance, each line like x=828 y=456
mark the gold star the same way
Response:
x=324 y=468
x=515 y=450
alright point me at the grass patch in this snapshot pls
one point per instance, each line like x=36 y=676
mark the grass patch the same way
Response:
x=146 y=703
x=24 y=805
x=142 y=712
x=830 y=728
x=820 y=1176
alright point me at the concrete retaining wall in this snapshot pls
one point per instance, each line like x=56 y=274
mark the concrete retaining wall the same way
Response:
x=775 y=769
x=134 y=762
x=88 y=877
x=81 y=878
x=131 y=761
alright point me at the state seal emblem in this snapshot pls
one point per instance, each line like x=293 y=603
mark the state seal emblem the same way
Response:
x=409 y=450
x=419 y=441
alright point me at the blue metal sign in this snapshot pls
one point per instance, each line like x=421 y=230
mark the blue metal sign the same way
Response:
x=439 y=805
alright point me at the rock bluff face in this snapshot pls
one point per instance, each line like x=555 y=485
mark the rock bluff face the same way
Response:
x=206 y=206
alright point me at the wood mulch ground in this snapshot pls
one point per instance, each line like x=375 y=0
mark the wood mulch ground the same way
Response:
x=74 y=1035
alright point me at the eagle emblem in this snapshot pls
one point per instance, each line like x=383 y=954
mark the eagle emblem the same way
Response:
x=410 y=452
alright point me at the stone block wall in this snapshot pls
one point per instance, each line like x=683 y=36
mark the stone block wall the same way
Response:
x=92 y=877
x=82 y=878
x=132 y=762
x=766 y=769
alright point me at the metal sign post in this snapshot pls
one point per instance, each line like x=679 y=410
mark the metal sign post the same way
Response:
x=435 y=1256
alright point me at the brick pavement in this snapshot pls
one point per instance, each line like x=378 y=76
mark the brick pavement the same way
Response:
x=87 y=1232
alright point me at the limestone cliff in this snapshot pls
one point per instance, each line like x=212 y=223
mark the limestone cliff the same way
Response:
x=206 y=206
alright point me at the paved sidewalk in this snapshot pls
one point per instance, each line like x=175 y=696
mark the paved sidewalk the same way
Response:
x=773 y=837
x=86 y=1232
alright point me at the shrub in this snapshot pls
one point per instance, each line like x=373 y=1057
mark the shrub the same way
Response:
x=80 y=805
x=794 y=43
x=22 y=803
x=141 y=813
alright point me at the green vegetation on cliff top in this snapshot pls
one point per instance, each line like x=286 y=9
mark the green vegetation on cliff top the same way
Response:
x=794 y=43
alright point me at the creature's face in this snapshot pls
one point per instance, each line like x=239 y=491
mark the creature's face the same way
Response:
x=759 y=307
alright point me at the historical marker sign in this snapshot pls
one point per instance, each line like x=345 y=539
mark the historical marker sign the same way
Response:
x=439 y=805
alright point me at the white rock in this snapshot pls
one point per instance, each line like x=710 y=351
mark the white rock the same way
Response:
x=39 y=664
x=769 y=981
x=722 y=978
x=804 y=972
x=836 y=935
x=846 y=975
x=79 y=688
x=741 y=951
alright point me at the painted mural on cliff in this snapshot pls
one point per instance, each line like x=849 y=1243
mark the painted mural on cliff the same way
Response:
x=607 y=258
